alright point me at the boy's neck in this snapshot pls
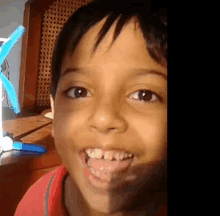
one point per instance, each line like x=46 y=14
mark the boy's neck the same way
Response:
x=71 y=199
x=75 y=204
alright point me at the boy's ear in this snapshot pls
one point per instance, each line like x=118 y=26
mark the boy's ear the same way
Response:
x=52 y=110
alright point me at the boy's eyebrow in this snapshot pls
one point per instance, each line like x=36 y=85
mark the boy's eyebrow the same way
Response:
x=139 y=73
x=71 y=70
x=146 y=72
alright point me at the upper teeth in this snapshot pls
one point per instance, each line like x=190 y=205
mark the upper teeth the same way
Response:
x=108 y=155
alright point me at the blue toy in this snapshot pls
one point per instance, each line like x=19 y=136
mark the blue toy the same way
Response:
x=6 y=142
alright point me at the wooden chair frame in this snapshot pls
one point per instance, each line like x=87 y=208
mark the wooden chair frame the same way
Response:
x=30 y=54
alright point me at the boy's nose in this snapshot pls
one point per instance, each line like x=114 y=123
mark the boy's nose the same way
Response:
x=106 y=118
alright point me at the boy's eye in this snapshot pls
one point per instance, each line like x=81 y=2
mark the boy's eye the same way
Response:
x=144 y=95
x=78 y=92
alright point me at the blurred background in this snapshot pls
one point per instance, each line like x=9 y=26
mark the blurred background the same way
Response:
x=11 y=15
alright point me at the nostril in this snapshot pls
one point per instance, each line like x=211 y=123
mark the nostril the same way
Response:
x=93 y=128
x=112 y=129
x=103 y=129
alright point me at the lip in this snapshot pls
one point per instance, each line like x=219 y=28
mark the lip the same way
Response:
x=98 y=183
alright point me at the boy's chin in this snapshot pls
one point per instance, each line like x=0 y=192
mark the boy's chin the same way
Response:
x=142 y=201
x=136 y=197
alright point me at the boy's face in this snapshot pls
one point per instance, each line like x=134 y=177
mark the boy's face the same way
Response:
x=110 y=112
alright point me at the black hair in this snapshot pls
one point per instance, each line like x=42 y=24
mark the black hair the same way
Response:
x=152 y=22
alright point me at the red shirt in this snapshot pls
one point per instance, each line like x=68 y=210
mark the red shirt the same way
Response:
x=46 y=198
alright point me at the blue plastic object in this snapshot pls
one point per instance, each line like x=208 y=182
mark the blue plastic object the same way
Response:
x=13 y=39
x=11 y=93
x=29 y=148
x=6 y=48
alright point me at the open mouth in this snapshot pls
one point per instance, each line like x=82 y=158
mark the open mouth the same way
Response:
x=107 y=169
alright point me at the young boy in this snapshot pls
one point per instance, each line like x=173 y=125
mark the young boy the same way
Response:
x=109 y=104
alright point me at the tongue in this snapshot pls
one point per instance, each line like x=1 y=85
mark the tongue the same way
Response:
x=112 y=166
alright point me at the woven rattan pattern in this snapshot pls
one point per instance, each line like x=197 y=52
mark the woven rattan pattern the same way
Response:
x=53 y=21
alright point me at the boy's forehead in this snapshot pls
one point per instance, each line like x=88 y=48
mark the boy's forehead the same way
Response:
x=129 y=49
